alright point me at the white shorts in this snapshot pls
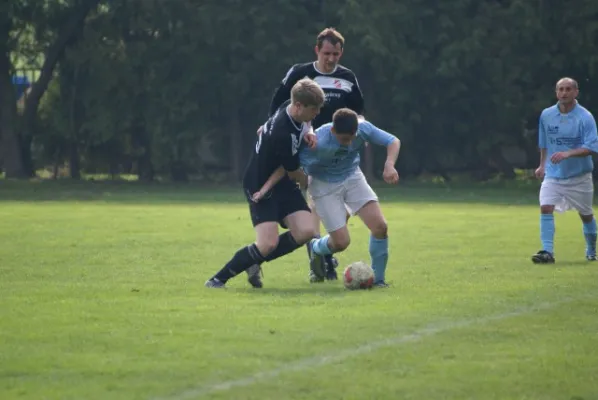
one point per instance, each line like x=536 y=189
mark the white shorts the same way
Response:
x=566 y=194
x=334 y=200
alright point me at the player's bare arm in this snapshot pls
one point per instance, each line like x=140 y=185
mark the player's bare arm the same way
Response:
x=541 y=169
x=562 y=155
x=390 y=173
x=269 y=184
x=310 y=137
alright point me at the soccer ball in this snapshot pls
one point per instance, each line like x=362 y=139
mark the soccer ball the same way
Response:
x=358 y=275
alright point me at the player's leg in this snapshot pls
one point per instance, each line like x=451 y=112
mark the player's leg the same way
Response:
x=330 y=261
x=264 y=217
x=372 y=216
x=362 y=198
x=331 y=208
x=295 y=215
x=580 y=194
x=337 y=239
x=589 y=233
x=256 y=253
x=292 y=212
x=550 y=195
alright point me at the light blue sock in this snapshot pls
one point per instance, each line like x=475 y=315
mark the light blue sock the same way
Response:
x=379 y=255
x=320 y=246
x=589 y=231
x=547 y=232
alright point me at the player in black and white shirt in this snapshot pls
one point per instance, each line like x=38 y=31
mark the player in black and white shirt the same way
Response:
x=277 y=145
x=284 y=204
x=339 y=85
x=341 y=90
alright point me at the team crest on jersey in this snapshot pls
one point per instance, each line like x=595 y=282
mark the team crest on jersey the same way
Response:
x=327 y=82
x=553 y=129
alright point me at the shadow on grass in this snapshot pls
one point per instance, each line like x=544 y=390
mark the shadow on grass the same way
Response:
x=324 y=290
x=573 y=263
x=507 y=193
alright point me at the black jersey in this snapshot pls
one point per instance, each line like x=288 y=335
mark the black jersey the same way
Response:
x=340 y=87
x=277 y=145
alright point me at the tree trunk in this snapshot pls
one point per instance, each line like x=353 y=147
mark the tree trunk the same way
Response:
x=11 y=148
x=75 y=125
x=142 y=143
x=66 y=36
x=178 y=172
x=74 y=162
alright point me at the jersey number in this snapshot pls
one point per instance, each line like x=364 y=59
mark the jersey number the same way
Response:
x=259 y=143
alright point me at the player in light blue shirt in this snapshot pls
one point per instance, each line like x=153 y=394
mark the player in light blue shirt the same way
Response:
x=567 y=137
x=333 y=161
x=338 y=186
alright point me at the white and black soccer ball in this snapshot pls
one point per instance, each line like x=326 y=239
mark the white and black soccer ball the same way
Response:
x=358 y=275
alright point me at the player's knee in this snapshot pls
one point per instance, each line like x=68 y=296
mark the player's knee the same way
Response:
x=546 y=209
x=304 y=234
x=267 y=245
x=586 y=218
x=342 y=243
x=380 y=229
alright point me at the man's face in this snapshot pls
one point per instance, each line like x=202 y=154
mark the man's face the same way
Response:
x=329 y=56
x=566 y=92
x=307 y=113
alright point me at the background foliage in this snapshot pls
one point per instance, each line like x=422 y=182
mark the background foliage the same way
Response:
x=176 y=88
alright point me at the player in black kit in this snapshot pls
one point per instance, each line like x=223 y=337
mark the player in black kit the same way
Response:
x=277 y=145
x=341 y=90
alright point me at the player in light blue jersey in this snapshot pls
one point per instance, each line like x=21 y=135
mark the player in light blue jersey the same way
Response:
x=567 y=138
x=338 y=186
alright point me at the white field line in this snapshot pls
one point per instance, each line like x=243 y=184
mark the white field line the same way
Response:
x=341 y=355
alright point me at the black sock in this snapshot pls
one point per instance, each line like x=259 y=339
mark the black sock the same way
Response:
x=243 y=259
x=329 y=263
x=286 y=244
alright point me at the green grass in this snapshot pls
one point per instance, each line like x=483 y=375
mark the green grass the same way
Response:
x=102 y=297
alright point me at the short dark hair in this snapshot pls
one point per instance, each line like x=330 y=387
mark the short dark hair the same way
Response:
x=567 y=79
x=332 y=35
x=344 y=121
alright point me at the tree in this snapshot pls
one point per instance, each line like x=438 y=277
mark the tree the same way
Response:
x=55 y=25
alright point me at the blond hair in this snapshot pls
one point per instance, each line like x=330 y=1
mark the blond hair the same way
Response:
x=308 y=93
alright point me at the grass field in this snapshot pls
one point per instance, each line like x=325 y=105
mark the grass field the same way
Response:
x=102 y=297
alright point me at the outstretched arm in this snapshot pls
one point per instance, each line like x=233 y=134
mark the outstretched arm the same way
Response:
x=373 y=134
x=390 y=173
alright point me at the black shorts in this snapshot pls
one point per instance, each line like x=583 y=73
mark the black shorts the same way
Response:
x=284 y=199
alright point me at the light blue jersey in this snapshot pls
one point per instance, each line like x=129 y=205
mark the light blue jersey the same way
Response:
x=331 y=162
x=562 y=132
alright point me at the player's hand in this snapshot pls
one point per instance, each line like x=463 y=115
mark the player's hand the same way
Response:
x=390 y=174
x=257 y=196
x=540 y=172
x=311 y=139
x=559 y=156
x=260 y=130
